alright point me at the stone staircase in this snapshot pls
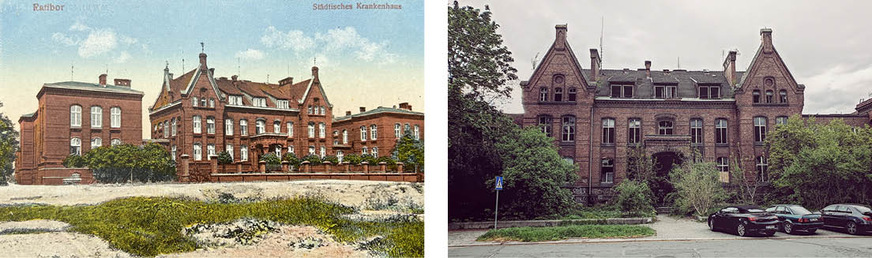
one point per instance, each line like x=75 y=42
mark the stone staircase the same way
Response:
x=664 y=209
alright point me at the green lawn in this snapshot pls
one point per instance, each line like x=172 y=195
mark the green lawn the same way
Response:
x=148 y=226
x=535 y=234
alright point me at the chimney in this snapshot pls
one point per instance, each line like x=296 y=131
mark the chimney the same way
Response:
x=560 y=38
x=103 y=79
x=766 y=37
x=362 y=109
x=648 y=68
x=122 y=82
x=347 y=113
x=203 y=61
x=234 y=77
x=730 y=68
x=595 y=64
x=286 y=81
x=406 y=106
x=315 y=72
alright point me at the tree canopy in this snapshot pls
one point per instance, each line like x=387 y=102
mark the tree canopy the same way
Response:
x=8 y=147
x=114 y=164
x=410 y=152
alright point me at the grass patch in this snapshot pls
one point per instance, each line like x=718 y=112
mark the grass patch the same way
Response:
x=148 y=226
x=535 y=234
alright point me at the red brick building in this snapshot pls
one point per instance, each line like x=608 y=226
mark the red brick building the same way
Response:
x=200 y=115
x=375 y=132
x=73 y=118
x=598 y=115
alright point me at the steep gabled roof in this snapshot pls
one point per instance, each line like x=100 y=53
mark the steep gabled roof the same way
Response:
x=537 y=73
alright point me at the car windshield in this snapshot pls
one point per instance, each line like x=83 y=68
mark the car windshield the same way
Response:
x=755 y=210
x=799 y=210
x=863 y=209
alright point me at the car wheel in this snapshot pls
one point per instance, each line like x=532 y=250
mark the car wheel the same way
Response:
x=788 y=228
x=711 y=225
x=852 y=228
x=741 y=230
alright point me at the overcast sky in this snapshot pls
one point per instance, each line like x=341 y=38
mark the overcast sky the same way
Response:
x=825 y=44
x=366 y=57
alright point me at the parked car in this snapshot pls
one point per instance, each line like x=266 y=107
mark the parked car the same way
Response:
x=854 y=218
x=794 y=218
x=744 y=220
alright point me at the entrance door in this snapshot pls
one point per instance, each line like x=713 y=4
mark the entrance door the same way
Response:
x=664 y=162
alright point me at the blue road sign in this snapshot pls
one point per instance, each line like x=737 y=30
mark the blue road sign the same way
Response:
x=499 y=183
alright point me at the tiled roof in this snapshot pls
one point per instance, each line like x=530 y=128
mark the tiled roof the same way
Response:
x=379 y=110
x=72 y=85
x=262 y=90
x=686 y=81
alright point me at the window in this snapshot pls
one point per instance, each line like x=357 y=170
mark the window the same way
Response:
x=203 y=102
x=340 y=155
x=375 y=151
x=96 y=143
x=756 y=94
x=277 y=127
x=198 y=152
x=96 y=117
x=309 y=110
x=558 y=94
x=622 y=91
x=721 y=131
x=571 y=95
x=634 y=131
x=762 y=169
x=243 y=127
x=173 y=152
x=259 y=127
x=373 y=132
x=723 y=164
x=363 y=133
x=781 y=120
x=235 y=100
x=76 y=146
x=194 y=102
x=323 y=110
x=115 y=117
x=211 y=102
x=608 y=131
x=210 y=151
x=198 y=127
x=543 y=94
x=344 y=136
x=311 y=129
x=228 y=126
x=278 y=150
x=545 y=124
x=283 y=104
x=363 y=151
x=210 y=125
x=322 y=130
x=75 y=116
x=406 y=128
x=768 y=96
x=290 y=129
x=291 y=149
x=115 y=142
x=417 y=133
x=665 y=92
x=311 y=150
x=229 y=149
x=258 y=102
x=664 y=127
x=696 y=131
x=397 y=130
x=324 y=151
x=709 y=92
x=175 y=126
x=568 y=132
x=782 y=96
x=608 y=171
x=759 y=129
x=243 y=153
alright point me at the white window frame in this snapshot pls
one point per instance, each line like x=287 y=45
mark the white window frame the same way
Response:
x=198 y=151
x=115 y=117
x=75 y=116
x=229 y=149
x=311 y=130
x=76 y=146
x=116 y=142
x=260 y=126
x=290 y=126
x=322 y=130
x=175 y=126
x=373 y=132
x=398 y=131
x=96 y=116
x=374 y=152
x=243 y=127
x=210 y=125
x=228 y=126
x=417 y=133
x=323 y=151
x=243 y=153
x=210 y=151
x=173 y=152
x=96 y=142
x=363 y=133
x=344 y=136
x=198 y=124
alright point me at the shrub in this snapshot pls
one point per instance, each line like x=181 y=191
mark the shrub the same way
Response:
x=352 y=159
x=74 y=161
x=634 y=198
x=271 y=159
x=292 y=159
x=333 y=159
x=697 y=187
x=312 y=159
x=369 y=159
x=224 y=158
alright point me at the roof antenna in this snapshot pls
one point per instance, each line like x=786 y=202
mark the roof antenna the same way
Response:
x=237 y=67
x=72 y=70
x=315 y=61
x=679 y=62
x=183 y=65
x=267 y=78
x=202 y=47
x=602 y=31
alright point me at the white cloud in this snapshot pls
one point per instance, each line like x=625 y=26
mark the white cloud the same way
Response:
x=293 y=39
x=63 y=39
x=78 y=26
x=98 y=42
x=250 y=54
x=837 y=90
x=123 y=57
x=127 y=40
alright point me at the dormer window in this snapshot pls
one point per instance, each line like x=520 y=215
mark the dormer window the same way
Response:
x=622 y=91
x=709 y=92
x=282 y=103
x=259 y=102
x=234 y=100
x=665 y=91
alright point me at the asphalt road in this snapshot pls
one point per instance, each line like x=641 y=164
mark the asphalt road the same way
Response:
x=746 y=247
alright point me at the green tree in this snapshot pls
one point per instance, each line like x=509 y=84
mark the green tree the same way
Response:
x=642 y=167
x=478 y=63
x=352 y=159
x=224 y=158
x=410 y=152
x=292 y=159
x=634 y=198
x=333 y=159
x=697 y=187
x=8 y=147
x=534 y=175
x=128 y=163
x=745 y=189
x=312 y=159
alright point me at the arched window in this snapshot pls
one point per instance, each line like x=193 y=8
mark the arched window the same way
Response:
x=290 y=148
x=363 y=151
x=756 y=95
x=768 y=96
x=782 y=96
x=211 y=102
x=571 y=95
x=759 y=129
x=260 y=126
x=243 y=127
x=545 y=124
x=198 y=127
x=375 y=151
x=558 y=94
x=322 y=130
x=373 y=132
x=290 y=129
x=198 y=151
x=407 y=128
x=608 y=131
x=543 y=94
x=721 y=131
x=398 y=131
x=780 y=120
x=96 y=143
x=115 y=117
x=311 y=129
x=363 y=133
x=762 y=169
x=210 y=125
x=116 y=142
x=76 y=146
x=664 y=127
x=417 y=133
x=96 y=117
x=311 y=150
x=228 y=126
x=568 y=129
x=344 y=136
x=277 y=127
x=75 y=116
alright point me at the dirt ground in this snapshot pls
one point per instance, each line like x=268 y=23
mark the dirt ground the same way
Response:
x=24 y=239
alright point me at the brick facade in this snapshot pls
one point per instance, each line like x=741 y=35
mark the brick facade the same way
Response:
x=390 y=124
x=65 y=113
x=592 y=113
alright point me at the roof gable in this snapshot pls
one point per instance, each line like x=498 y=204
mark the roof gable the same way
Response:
x=560 y=53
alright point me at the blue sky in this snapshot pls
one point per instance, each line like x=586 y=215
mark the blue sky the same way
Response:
x=366 y=57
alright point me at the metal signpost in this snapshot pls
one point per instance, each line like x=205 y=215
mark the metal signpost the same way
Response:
x=498 y=187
